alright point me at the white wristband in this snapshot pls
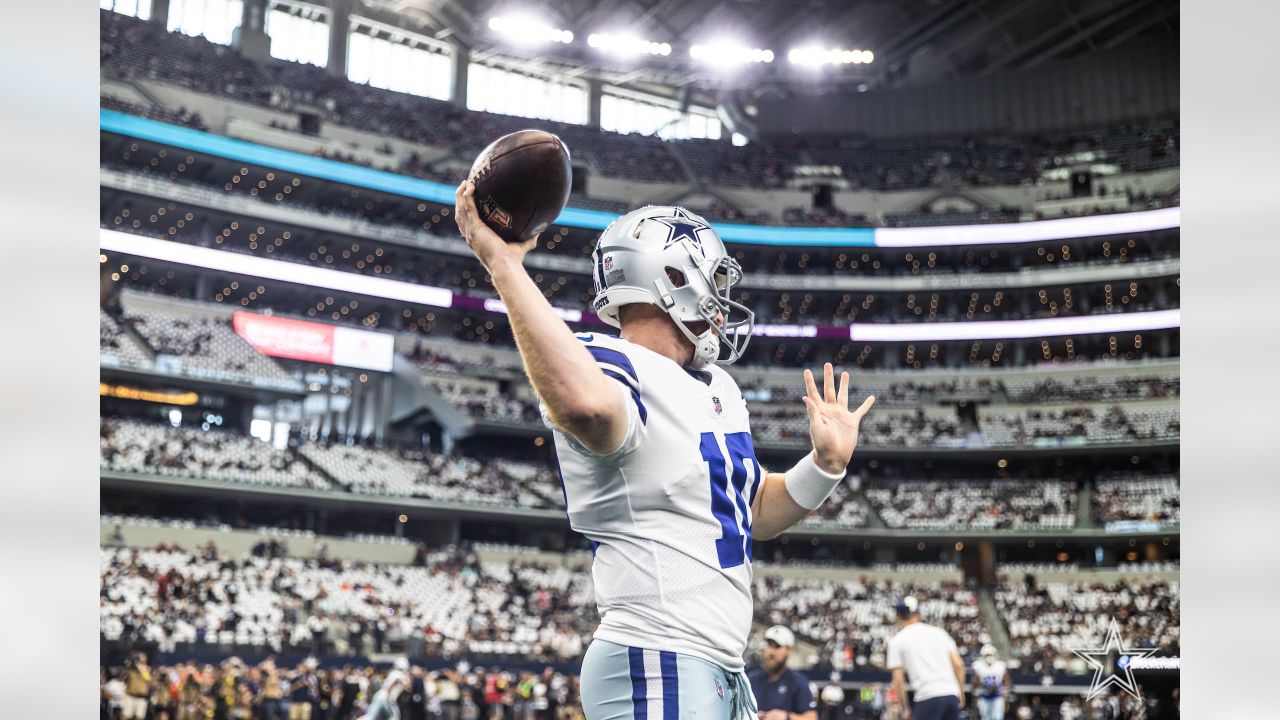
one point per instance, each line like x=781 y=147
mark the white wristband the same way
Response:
x=808 y=484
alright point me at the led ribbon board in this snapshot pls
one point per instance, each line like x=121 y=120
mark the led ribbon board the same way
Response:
x=260 y=267
x=380 y=180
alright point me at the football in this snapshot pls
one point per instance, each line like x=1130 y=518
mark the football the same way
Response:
x=522 y=183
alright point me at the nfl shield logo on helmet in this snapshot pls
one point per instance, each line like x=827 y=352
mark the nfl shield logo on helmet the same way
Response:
x=715 y=404
x=608 y=262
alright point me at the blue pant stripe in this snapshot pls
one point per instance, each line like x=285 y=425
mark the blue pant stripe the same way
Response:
x=639 y=696
x=670 y=686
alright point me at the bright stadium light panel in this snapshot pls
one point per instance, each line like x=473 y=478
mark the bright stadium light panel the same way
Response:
x=728 y=53
x=627 y=45
x=526 y=31
x=1036 y=231
x=814 y=56
x=259 y=267
x=1016 y=329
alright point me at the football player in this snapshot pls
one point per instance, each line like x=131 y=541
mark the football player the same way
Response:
x=654 y=447
x=385 y=703
x=991 y=683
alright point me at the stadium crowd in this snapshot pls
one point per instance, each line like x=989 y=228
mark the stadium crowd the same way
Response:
x=447 y=604
x=156 y=448
x=115 y=343
x=974 y=504
x=1091 y=388
x=852 y=621
x=1079 y=425
x=398 y=225
x=773 y=296
x=137 y=446
x=205 y=347
x=1047 y=620
x=1154 y=498
x=237 y=690
x=132 y=48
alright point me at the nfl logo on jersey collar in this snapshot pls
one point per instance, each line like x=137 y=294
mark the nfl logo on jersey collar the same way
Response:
x=716 y=407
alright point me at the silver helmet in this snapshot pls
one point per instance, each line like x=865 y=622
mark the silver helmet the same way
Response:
x=672 y=258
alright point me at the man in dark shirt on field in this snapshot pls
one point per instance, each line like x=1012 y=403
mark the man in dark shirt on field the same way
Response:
x=781 y=693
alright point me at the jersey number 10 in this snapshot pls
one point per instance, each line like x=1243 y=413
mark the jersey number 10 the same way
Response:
x=734 y=546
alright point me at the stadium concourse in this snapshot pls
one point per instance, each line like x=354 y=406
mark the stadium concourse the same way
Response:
x=320 y=452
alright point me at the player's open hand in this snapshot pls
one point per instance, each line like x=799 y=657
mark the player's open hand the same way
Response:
x=483 y=241
x=832 y=426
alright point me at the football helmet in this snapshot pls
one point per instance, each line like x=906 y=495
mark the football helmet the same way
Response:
x=672 y=258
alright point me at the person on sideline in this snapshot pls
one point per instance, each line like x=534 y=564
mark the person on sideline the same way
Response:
x=781 y=693
x=991 y=684
x=928 y=655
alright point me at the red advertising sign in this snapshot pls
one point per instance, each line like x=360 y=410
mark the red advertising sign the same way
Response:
x=315 y=342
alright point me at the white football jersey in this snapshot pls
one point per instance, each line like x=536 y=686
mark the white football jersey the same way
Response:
x=395 y=683
x=989 y=677
x=669 y=513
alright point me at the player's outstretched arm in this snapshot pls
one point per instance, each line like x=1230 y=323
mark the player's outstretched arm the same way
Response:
x=786 y=498
x=578 y=396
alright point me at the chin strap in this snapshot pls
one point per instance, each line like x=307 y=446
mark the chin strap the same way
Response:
x=664 y=295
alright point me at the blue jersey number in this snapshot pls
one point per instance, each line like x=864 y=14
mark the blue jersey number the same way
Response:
x=734 y=546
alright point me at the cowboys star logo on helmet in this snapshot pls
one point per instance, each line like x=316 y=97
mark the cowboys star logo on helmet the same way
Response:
x=672 y=258
x=684 y=226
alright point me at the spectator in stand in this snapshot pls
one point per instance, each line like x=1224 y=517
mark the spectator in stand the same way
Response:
x=134 y=48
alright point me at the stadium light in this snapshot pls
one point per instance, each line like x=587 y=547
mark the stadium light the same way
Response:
x=814 y=56
x=627 y=45
x=527 y=31
x=1035 y=231
x=259 y=267
x=1016 y=329
x=729 y=53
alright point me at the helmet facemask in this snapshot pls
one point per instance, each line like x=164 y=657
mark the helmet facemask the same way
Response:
x=706 y=294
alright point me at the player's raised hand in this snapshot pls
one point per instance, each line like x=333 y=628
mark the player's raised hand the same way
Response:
x=833 y=427
x=482 y=240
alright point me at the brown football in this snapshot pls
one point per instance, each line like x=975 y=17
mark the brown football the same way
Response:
x=522 y=183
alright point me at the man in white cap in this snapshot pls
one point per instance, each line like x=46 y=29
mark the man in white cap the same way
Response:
x=928 y=655
x=991 y=683
x=781 y=693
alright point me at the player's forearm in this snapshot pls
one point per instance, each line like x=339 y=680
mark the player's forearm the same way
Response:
x=787 y=498
x=563 y=373
x=775 y=511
